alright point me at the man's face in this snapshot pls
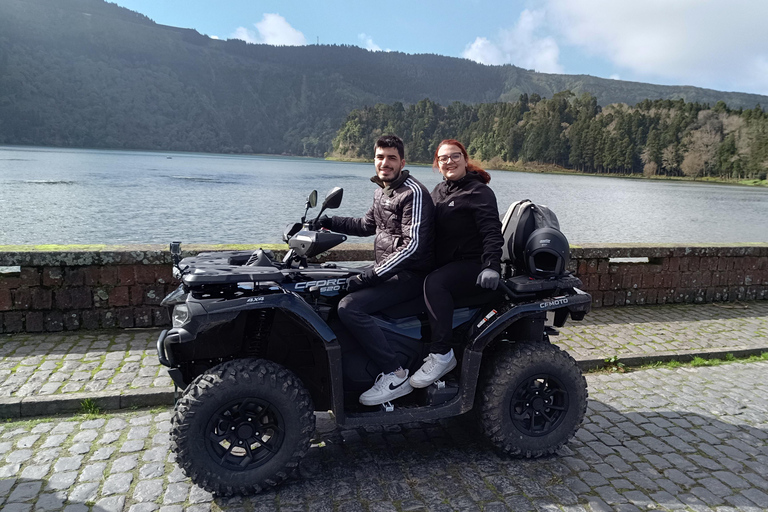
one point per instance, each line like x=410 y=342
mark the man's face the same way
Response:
x=388 y=164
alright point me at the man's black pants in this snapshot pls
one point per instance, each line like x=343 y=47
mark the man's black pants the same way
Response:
x=355 y=313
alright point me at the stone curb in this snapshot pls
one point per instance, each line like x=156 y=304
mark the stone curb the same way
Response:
x=48 y=405
x=682 y=356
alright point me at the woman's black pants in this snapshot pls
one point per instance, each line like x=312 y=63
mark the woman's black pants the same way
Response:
x=441 y=287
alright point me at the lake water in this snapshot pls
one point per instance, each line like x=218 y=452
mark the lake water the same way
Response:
x=71 y=196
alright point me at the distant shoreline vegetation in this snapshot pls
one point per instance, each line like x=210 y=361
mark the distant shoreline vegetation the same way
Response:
x=536 y=168
x=668 y=139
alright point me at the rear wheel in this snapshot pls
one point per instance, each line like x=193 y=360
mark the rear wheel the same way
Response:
x=532 y=399
x=242 y=426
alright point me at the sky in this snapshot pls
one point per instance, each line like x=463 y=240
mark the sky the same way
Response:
x=717 y=44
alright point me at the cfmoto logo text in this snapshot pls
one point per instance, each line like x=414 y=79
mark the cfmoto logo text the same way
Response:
x=558 y=302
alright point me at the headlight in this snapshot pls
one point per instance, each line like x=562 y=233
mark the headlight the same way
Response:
x=180 y=315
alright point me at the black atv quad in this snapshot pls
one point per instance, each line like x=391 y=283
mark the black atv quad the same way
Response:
x=257 y=347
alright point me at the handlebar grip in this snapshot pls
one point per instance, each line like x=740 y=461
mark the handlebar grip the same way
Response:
x=505 y=288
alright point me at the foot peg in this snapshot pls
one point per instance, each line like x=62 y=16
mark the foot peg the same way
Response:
x=388 y=407
x=440 y=384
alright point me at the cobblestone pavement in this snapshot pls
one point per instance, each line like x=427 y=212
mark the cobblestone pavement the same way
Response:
x=653 y=331
x=663 y=439
x=84 y=363
x=80 y=362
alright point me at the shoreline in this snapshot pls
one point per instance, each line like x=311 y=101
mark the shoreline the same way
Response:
x=492 y=165
x=554 y=169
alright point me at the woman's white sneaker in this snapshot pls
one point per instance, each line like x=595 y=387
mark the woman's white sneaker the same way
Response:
x=434 y=367
x=388 y=386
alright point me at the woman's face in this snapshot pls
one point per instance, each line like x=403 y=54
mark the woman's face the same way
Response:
x=452 y=168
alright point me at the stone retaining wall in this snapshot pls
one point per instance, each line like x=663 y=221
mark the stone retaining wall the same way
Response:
x=122 y=287
x=672 y=273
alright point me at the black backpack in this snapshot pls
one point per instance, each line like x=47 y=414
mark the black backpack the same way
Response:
x=533 y=242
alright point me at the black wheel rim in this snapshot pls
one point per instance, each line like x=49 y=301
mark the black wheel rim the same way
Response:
x=539 y=405
x=245 y=434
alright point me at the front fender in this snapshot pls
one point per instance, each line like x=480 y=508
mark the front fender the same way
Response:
x=221 y=330
x=290 y=303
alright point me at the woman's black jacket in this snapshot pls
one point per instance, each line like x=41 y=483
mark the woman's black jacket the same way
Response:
x=467 y=225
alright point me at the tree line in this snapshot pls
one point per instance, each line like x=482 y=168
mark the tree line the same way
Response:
x=654 y=137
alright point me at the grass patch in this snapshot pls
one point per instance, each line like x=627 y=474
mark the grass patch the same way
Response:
x=701 y=361
x=244 y=247
x=51 y=248
x=89 y=407
x=754 y=183
x=614 y=365
x=26 y=423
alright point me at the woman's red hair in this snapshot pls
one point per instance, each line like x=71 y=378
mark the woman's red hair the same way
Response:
x=471 y=166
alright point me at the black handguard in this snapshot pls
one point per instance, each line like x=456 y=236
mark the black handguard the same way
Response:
x=323 y=222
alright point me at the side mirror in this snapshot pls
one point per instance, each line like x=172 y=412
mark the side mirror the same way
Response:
x=333 y=199
x=176 y=248
x=311 y=203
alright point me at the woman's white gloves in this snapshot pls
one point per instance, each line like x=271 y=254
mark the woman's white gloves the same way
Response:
x=488 y=278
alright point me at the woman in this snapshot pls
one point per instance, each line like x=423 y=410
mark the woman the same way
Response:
x=467 y=249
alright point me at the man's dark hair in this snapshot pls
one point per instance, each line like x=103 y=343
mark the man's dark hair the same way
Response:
x=391 y=141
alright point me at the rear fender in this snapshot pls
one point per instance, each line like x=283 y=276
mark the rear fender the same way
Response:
x=494 y=324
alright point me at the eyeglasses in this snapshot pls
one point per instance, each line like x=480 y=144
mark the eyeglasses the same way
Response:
x=443 y=159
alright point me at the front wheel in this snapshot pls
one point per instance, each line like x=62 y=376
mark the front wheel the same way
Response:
x=532 y=399
x=242 y=426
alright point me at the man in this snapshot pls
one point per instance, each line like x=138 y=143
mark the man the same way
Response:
x=401 y=218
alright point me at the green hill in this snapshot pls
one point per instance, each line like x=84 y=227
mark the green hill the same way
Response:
x=87 y=73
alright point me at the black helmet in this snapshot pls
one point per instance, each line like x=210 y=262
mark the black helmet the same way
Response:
x=547 y=253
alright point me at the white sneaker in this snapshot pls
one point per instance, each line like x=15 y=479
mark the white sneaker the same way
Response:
x=432 y=369
x=387 y=387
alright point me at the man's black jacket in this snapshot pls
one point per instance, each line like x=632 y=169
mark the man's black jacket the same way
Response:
x=401 y=217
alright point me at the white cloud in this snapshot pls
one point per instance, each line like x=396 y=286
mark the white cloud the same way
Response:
x=523 y=45
x=246 y=35
x=272 y=29
x=484 y=52
x=707 y=43
x=368 y=43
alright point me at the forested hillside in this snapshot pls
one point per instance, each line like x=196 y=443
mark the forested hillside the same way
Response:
x=87 y=73
x=666 y=137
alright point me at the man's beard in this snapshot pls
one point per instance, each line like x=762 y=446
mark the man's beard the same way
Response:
x=393 y=178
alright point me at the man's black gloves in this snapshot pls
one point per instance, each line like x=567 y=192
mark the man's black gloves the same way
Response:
x=354 y=283
x=323 y=222
x=364 y=280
